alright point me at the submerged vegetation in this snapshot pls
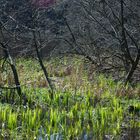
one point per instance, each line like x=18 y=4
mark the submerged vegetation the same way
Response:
x=85 y=105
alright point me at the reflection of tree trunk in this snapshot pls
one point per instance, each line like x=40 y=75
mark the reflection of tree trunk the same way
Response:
x=41 y=64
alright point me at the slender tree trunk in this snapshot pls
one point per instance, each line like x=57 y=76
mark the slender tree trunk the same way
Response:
x=131 y=64
x=42 y=65
x=124 y=45
x=14 y=70
x=133 y=68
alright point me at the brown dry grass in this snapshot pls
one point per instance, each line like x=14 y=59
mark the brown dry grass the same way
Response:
x=66 y=76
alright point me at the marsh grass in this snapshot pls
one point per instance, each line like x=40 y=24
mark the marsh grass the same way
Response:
x=82 y=108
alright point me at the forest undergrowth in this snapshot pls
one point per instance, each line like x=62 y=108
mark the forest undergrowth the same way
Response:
x=86 y=104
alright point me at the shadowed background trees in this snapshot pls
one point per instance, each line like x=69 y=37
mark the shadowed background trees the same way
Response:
x=106 y=32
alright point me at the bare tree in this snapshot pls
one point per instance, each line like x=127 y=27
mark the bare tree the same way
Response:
x=16 y=33
x=7 y=58
x=113 y=31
